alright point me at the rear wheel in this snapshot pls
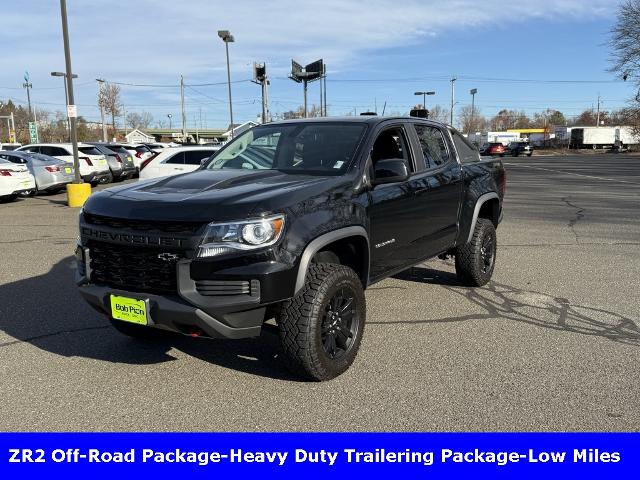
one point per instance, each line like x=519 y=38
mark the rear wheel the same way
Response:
x=321 y=328
x=475 y=260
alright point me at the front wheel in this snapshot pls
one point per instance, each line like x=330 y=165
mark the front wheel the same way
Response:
x=321 y=328
x=475 y=260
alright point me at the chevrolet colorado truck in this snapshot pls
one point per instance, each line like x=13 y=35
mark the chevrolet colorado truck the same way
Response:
x=290 y=221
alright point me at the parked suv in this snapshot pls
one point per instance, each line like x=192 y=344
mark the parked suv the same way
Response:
x=519 y=148
x=119 y=160
x=290 y=220
x=175 y=160
x=93 y=164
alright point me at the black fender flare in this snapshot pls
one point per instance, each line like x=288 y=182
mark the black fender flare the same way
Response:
x=322 y=241
x=476 y=211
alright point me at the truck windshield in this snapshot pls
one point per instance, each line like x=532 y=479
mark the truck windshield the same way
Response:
x=325 y=148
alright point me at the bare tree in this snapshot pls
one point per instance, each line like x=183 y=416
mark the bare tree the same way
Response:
x=625 y=56
x=109 y=99
x=439 y=114
x=139 y=120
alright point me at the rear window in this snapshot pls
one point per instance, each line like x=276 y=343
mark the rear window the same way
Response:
x=142 y=149
x=89 y=151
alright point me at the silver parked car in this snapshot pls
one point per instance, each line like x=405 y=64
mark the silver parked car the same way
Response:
x=120 y=161
x=51 y=174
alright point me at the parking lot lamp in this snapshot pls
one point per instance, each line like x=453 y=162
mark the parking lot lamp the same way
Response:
x=424 y=97
x=169 y=117
x=473 y=92
x=227 y=38
x=66 y=96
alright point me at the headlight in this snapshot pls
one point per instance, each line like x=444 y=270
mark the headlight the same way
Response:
x=221 y=238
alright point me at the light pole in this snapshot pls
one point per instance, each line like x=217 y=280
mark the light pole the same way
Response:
x=69 y=80
x=66 y=95
x=424 y=97
x=473 y=92
x=101 y=82
x=227 y=38
x=169 y=117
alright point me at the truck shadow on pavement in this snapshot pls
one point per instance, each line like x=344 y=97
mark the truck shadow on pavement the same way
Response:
x=47 y=312
x=500 y=301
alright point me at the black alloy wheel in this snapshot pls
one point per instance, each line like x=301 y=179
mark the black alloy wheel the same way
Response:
x=338 y=328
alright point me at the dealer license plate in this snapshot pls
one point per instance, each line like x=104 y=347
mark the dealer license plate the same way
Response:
x=68 y=170
x=129 y=310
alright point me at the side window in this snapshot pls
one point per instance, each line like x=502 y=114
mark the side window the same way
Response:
x=177 y=159
x=46 y=150
x=194 y=157
x=391 y=143
x=466 y=151
x=433 y=145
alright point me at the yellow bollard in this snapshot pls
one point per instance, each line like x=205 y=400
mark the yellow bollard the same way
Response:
x=77 y=193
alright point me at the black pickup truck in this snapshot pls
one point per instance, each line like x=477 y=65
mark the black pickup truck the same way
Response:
x=291 y=220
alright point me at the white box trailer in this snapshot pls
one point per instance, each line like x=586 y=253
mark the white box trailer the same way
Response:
x=494 y=137
x=592 y=137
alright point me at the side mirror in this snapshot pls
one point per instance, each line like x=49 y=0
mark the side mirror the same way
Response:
x=390 y=170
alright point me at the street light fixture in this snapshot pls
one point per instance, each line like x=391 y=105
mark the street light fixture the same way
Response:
x=66 y=95
x=473 y=92
x=424 y=97
x=169 y=116
x=227 y=38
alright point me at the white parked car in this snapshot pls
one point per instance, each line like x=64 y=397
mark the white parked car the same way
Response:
x=14 y=179
x=175 y=160
x=93 y=164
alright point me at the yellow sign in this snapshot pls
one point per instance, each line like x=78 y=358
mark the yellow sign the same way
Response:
x=129 y=310
x=526 y=130
x=12 y=136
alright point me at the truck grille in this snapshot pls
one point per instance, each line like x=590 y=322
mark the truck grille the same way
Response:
x=214 y=288
x=132 y=268
x=142 y=225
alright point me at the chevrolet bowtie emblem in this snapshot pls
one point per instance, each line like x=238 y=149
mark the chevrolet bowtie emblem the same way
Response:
x=168 y=257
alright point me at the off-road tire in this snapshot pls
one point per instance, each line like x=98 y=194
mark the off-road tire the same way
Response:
x=471 y=267
x=300 y=322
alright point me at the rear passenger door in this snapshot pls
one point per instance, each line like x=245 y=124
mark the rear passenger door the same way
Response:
x=441 y=187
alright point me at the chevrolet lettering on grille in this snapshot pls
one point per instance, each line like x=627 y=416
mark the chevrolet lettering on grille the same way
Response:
x=131 y=239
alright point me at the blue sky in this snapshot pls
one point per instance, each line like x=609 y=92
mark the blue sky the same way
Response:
x=376 y=51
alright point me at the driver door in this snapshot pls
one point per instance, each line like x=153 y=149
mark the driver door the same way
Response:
x=395 y=210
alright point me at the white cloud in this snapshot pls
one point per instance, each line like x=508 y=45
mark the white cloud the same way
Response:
x=151 y=38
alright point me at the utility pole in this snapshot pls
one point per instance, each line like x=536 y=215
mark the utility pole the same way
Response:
x=453 y=98
x=69 y=79
x=100 y=96
x=598 y=114
x=124 y=119
x=321 y=100
x=184 y=118
x=27 y=85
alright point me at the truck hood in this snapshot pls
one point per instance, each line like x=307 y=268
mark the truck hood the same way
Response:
x=206 y=195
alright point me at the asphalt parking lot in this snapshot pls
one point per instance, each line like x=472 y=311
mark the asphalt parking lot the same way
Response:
x=552 y=343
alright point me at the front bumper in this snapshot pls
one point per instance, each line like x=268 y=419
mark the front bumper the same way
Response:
x=96 y=176
x=194 y=310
